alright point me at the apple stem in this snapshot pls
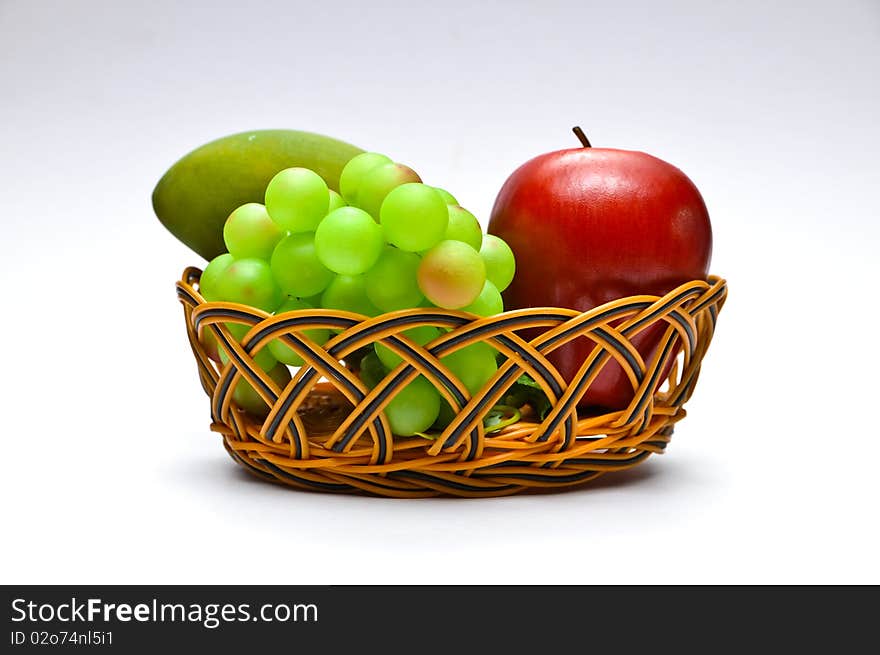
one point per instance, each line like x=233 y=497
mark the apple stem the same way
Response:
x=579 y=133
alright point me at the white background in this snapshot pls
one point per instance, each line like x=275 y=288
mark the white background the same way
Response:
x=110 y=472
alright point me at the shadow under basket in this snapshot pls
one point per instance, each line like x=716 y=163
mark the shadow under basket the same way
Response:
x=326 y=430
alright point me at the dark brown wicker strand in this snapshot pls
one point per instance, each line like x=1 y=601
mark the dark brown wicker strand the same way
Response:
x=326 y=430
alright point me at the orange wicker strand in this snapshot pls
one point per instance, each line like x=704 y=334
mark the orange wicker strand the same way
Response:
x=326 y=431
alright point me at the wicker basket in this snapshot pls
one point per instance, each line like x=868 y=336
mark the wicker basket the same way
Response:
x=326 y=430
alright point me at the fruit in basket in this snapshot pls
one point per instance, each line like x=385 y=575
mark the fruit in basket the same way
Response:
x=348 y=293
x=414 y=217
x=296 y=267
x=379 y=182
x=249 y=232
x=211 y=275
x=488 y=303
x=499 y=260
x=348 y=241
x=380 y=245
x=336 y=201
x=590 y=225
x=391 y=283
x=414 y=408
x=452 y=274
x=246 y=397
x=448 y=198
x=196 y=195
x=210 y=345
x=420 y=335
x=297 y=199
x=355 y=170
x=473 y=365
x=264 y=359
x=463 y=226
x=284 y=353
x=249 y=281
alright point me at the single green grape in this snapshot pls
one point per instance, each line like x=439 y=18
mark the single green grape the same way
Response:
x=488 y=303
x=348 y=293
x=284 y=353
x=414 y=217
x=336 y=201
x=498 y=257
x=297 y=199
x=371 y=370
x=354 y=171
x=249 y=232
x=379 y=182
x=246 y=397
x=473 y=365
x=249 y=281
x=451 y=274
x=211 y=275
x=413 y=408
x=348 y=241
x=421 y=335
x=296 y=267
x=264 y=359
x=391 y=282
x=464 y=226
x=448 y=198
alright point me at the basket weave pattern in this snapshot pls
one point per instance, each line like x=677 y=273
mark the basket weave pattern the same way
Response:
x=326 y=430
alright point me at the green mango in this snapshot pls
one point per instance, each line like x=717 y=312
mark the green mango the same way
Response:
x=197 y=194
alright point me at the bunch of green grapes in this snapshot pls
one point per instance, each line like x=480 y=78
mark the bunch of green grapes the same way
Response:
x=385 y=242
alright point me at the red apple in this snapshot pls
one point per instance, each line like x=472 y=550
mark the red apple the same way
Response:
x=590 y=225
